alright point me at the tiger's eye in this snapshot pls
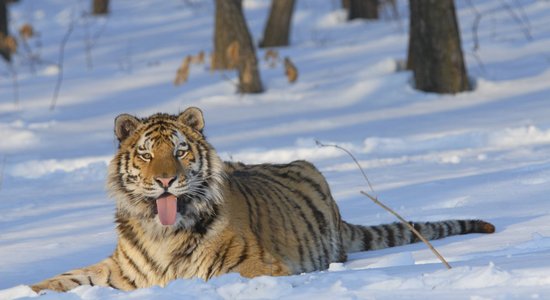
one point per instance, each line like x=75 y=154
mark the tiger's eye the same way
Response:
x=180 y=153
x=146 y=156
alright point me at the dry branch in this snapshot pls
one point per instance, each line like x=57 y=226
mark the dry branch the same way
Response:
x=271 y=56
x=352 y=157
x=60 y=65
x=475 y=24
x=199 y=58
x=523 y=22
x=411 y=227
x=87 y=41
x=91 y=41
x=375 y=200
x=15 y=81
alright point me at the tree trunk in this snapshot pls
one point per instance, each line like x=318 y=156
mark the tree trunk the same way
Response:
x=363 y=9
x=4 y=51
x=277 y=29
x=100 y=7
x=435 y=53
x=231 y=27
x=345 y=4
x=223 y=37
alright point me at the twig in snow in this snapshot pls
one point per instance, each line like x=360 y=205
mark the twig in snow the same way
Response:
x=227 y=78
x=375 y=200
x=91 y=41
x=394 y=12
x=479 y=61
x=318 y=143
x=60 y=64
x=98 y=34
x=15 y=81
x=522 y=14
x=525 y=26
x=475 y=25
x=418 y=234
x=87 y=42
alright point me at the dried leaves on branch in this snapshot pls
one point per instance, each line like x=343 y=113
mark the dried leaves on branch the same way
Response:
x=26 y=31
x=199 y=58
x=182 y=74
x=271 y=56
x=233 y=57
x=8 y=47
x=8 y=43
x=291 y=71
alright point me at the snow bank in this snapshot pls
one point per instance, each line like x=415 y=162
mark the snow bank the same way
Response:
x=38 y=168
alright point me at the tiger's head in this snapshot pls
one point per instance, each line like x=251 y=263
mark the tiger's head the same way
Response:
x=165 y=172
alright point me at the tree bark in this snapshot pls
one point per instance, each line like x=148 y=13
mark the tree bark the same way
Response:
x=277 y=29
x=4 y=32
x=363 y=9
x=230 y=27
x=100 y=7
x=222 y=36
x=435 y=52
x=345 y=4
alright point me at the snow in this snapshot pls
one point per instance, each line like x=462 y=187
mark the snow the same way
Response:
x=479 y=154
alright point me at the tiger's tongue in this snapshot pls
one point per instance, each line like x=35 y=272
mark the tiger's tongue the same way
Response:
x=167 y=208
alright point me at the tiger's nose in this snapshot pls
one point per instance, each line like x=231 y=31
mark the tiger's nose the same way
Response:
x=165 y=181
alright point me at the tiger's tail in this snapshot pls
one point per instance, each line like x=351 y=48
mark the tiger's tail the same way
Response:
x=363 y=238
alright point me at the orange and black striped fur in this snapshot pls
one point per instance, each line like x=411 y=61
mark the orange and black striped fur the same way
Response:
x=217 y=217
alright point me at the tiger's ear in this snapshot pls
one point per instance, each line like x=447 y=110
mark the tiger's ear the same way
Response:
x=193 y=118
x=125 y=125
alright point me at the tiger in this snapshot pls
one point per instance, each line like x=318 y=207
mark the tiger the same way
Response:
x=182 y=212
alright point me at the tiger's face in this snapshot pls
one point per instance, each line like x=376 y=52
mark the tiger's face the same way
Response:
x=165 y=171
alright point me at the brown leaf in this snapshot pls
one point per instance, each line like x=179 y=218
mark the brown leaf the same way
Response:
x=26 y=31
x=291 y=71
x=183 y=72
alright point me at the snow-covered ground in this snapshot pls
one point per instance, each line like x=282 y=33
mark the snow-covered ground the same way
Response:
x=481 y=154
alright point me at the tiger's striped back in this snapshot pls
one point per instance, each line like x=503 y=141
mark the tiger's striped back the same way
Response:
x=290 y=211
x=293 y=214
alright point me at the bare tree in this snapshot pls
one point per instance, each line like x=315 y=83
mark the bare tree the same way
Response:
x=230 y=29
x=100 y=7
x=363 y=9
x=4 y=32
x=435 y=53
x=277 y=29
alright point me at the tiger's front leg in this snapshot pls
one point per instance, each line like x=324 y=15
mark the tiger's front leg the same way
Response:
x=104 y=273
